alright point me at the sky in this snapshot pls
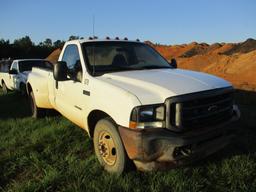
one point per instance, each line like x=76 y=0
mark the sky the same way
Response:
x=160 y=21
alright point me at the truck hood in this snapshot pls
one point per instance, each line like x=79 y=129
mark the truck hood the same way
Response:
x=154 y=86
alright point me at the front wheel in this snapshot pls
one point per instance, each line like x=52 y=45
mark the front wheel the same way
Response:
x=109 y=148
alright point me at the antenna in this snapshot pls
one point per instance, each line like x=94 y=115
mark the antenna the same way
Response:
x=93 y=68
x=93 y=22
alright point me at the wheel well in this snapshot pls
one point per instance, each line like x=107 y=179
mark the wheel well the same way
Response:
x=21 y=83
x=93 y=118
x=2 y=83
x=29 y=88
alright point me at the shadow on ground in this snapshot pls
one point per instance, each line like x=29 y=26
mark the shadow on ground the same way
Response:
x=13 y=105
x=244 y=129
x=246 y=126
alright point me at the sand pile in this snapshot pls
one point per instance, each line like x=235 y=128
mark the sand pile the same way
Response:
x=236 y=62
x=53 y=57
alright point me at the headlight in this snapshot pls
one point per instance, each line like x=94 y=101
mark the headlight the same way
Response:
x=176 y=115
x=178 y=110
x=151 y=116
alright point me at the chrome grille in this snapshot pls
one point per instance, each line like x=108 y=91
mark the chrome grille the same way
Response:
x=200 y=110
x=207 y=111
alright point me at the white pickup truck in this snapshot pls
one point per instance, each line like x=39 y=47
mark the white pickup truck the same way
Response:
x=135 y=105
x=16 y=77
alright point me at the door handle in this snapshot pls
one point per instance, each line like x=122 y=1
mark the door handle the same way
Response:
x=86 y=92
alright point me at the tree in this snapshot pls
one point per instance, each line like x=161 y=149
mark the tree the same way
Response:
x=3 y=42
x=48 y=42
x=41 y=44
x=4 y=48
x=58 y=44
x=24 y=42
x=22 y=48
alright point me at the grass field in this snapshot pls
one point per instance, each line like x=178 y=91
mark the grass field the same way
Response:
x=52 y=154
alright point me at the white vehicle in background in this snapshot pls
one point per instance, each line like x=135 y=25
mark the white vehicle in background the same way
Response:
x=16 y=77
x=134 y=104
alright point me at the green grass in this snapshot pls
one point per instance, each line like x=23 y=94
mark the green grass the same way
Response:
x=52 y=154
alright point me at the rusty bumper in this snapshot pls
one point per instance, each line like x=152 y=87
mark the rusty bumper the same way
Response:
x=156 y=148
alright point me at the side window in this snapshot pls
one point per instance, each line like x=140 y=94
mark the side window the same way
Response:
x=71 y=57
x=15 y=66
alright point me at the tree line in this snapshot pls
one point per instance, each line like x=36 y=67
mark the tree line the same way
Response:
x=24 y=48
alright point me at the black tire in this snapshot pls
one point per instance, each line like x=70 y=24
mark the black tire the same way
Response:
x=23 y=91
x=117 y=151
x=4 y=89
x=36 y=112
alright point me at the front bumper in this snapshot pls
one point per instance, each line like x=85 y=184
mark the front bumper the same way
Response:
x=156 y=148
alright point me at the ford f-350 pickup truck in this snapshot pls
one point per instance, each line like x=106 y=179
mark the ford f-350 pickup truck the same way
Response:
x=135 y=105
x=16 y=77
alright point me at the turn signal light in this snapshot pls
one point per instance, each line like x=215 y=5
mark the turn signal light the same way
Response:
x=133 y=125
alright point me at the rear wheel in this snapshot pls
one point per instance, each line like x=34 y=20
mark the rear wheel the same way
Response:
x=36 y=112
x=109 y=148
x=23 y=89
x=4 y=88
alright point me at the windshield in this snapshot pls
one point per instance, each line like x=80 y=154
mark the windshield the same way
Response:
x=27 y=65
x=105 y=57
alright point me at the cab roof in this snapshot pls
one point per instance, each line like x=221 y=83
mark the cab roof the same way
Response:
x=107 y=39
x=17 y=60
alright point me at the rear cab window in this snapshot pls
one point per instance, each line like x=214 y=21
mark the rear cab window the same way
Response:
x=28 y=65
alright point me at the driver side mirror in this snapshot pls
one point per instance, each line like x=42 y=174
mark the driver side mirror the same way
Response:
x=13 y=72
x=60 y=70
x=173 y=63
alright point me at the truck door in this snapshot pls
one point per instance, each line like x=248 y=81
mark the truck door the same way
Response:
x=14 y=78
x=69 y=94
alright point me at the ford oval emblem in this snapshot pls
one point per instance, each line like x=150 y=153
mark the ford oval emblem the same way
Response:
x=212 y=108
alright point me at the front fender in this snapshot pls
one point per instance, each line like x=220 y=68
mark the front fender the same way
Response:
x=114 y=101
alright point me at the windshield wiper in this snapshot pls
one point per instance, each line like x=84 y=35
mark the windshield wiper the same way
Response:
x=153 y=67
x=114 y=69
x=129 y=68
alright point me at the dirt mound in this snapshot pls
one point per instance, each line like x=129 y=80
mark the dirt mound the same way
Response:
x=149 y=43
x=213 y=47
x=197 y=49
x=53 y=57
x=235 y=62
x=225 y=47
x=184 y=50
x=194 y=48
x=245 y=47
x=238 y=69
